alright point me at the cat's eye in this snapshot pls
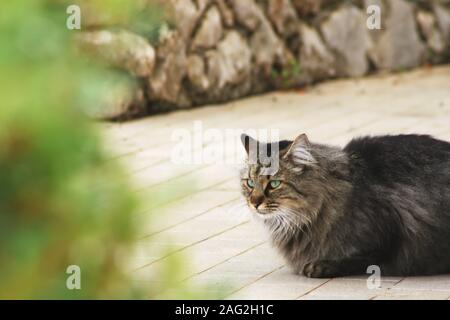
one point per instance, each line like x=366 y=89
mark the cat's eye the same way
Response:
x=250 y=183
x=274 y=184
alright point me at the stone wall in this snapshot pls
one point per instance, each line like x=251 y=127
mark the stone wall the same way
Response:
x=218 y=50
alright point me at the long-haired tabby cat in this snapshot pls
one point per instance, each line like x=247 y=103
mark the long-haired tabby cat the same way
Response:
x=379 y=201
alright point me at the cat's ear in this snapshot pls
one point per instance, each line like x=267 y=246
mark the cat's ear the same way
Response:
x=300 y=150
x=248 y=142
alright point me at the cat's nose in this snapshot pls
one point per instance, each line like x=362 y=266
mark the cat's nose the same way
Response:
x=256 y=201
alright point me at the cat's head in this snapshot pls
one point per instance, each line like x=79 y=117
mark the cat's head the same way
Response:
x=294 y=192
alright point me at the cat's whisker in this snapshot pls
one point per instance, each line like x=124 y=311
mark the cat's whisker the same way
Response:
x=292 y=219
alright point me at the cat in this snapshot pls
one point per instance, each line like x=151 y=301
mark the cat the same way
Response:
x=333 y=212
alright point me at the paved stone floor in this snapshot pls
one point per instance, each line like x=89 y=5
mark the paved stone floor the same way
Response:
x=199 y=214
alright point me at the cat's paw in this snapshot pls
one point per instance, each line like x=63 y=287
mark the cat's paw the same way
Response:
x=318 y=270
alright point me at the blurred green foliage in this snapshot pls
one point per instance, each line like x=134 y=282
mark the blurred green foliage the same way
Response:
x=144 y=17
x=55 y=208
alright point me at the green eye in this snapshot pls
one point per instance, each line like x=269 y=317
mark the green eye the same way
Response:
x=250 y=183
x=275 y=184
